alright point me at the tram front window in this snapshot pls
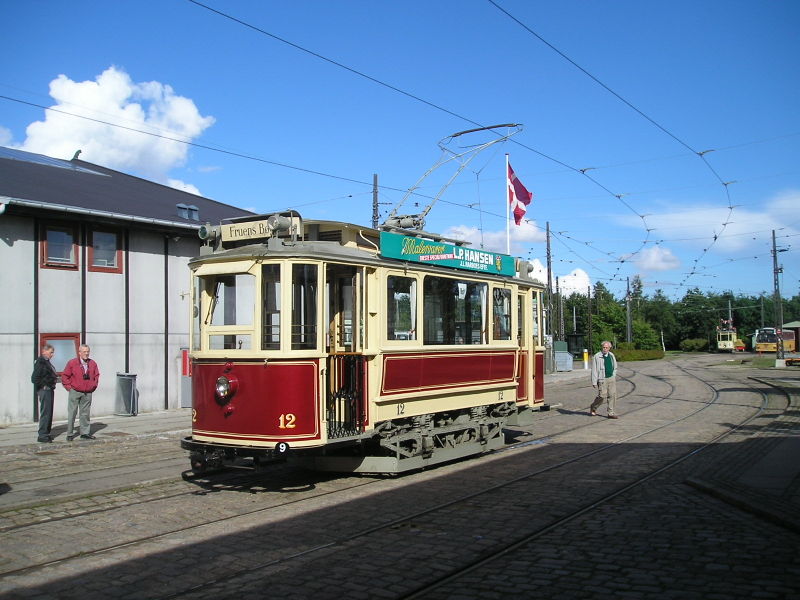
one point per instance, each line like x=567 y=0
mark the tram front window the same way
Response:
x=230 y=304
x=304 y=307
x=271 y=307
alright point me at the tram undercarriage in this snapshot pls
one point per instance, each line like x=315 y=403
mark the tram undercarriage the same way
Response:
x=395 y=446
x=407 y=444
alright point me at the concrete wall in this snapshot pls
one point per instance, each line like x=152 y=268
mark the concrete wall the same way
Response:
x=16 y=319
x=155 y=283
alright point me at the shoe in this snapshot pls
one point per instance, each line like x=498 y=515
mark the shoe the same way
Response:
x=613 y=417
x=44 y=440
x=593 y=413
x=88 y=437
x=70 y=437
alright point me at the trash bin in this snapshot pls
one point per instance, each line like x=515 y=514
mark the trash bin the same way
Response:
x=127 y=403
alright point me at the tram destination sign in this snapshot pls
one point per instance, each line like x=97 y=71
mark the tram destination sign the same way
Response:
x=248 y=230
x=414 y=249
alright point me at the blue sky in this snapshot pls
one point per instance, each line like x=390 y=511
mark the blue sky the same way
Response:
x=328 y=93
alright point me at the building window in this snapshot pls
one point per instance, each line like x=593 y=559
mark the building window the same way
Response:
x=65 y=346
x=59 y=249
x=105 y=252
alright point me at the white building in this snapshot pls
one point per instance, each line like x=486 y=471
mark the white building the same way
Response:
x=91 y=255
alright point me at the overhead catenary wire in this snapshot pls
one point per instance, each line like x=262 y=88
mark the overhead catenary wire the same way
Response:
x=700 y=153
x=377 y=81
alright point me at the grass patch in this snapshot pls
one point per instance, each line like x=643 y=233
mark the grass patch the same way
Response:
x=763 y=362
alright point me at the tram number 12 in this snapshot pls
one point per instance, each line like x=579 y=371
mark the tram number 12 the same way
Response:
x=287 y=421
x=401 y=408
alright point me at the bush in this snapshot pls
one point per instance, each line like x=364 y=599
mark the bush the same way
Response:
x=694 y=345
x=623 y=354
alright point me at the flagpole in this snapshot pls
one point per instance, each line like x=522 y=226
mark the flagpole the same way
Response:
x=508 y=211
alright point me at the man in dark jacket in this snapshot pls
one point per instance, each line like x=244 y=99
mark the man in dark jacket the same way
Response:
x=80 y=379
x=44 y=379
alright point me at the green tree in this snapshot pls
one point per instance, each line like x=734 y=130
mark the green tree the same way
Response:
x=644 y=336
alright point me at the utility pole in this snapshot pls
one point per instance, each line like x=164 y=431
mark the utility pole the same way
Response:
x=589 y=307
x=574 y=319
x=628 y=327
x=560 y=311
x=374 y=200
x=549 y=329
x=776 y=270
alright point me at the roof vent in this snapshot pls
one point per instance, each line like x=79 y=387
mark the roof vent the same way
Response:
x=194 y=212
x=183 y=210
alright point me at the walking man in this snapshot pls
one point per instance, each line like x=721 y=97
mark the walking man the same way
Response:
x=604 y=380
x=44 y=380
x=80 y=379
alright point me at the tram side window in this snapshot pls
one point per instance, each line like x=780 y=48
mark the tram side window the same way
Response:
x=271 y=307
x=455 y=311
x=401 y=309
x=231 y=304
x=501 y=314
x=304 y=307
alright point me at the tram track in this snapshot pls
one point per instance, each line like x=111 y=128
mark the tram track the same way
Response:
x=217 y=482
x=386 y=525
x=493 y=554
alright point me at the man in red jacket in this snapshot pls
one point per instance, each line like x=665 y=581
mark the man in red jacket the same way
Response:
x=80 y=378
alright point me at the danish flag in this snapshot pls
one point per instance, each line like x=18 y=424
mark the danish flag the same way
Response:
x=518 y=196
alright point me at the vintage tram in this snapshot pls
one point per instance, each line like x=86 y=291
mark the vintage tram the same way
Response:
x=347 y=348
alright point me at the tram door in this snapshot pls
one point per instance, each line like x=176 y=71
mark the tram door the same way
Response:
x=345 y=362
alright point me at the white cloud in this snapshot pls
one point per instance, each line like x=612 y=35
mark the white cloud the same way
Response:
x=495 y=241
x=575 y=281
x=114 y=97
x=657 y=258
x=697 y=226
x=5 y=136
x=183 y=186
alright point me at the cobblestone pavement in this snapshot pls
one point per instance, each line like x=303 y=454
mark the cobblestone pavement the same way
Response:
x=291 y=534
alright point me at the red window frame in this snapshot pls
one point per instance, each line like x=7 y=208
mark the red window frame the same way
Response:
x=49 y=338
x=90 y=252
x=44 y=257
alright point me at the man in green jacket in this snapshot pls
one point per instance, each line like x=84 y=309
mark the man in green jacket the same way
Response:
x=604 y=380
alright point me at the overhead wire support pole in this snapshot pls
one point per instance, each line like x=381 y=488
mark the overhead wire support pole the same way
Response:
x=374 y=200
x=776 y=270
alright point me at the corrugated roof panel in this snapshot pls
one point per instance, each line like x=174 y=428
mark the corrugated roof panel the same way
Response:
x=41 y=159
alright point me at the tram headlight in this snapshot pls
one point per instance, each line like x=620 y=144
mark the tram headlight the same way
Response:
x=225 y=388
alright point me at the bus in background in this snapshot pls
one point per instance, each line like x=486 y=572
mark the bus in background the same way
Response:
x=767 y=340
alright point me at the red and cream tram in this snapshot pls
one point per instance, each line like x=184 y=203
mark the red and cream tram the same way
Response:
x=354 y=349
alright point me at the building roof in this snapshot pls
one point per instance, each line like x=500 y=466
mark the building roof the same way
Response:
x=37 y=182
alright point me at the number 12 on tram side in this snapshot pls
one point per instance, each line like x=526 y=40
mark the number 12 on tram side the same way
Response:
x=347 y=348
